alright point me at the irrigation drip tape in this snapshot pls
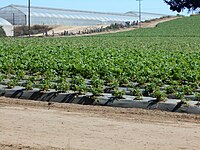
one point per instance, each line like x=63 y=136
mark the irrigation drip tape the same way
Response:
x=106 y=99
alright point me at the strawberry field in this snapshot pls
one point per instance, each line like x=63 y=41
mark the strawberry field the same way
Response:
x=130 y=69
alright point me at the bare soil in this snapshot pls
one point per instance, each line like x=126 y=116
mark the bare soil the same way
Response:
x=57 y=30
x=32 y=125
x=150 y=24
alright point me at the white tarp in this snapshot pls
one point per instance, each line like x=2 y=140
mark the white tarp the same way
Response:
x=8 y=28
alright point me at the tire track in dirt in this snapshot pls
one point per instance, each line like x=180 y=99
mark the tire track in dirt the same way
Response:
x=39 y=125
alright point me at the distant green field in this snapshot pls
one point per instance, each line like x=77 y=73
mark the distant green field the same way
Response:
x=168 y=54
x=184 y=27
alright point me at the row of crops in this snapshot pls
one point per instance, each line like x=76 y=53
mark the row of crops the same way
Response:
x=157 y=68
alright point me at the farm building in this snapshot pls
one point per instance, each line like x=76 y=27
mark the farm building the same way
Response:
x=17 y=15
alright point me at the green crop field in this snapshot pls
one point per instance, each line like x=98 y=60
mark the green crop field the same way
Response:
x=187 y=27
x=167 y=56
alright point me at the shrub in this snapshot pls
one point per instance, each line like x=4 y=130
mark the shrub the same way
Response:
x=2 y=32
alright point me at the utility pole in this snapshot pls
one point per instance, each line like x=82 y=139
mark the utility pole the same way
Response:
x=140 y=12
x=13 y=19
x=13 y=24
x=29 y=18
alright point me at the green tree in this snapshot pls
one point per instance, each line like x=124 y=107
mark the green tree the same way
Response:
x=179 y=5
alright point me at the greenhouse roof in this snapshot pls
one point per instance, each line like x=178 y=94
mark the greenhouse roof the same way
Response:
x=74 y=14
x=4 y=22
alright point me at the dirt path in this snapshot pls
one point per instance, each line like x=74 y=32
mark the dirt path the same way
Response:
x=153 y=24
x=38 y=125
x=150 y=24
x=60 y=29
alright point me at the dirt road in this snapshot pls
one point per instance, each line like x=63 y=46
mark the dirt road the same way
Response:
x=150 y=24
x=38 y=125
x=74 y=29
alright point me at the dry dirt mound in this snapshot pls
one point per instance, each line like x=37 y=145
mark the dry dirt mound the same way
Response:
x=150 y=24
x=57 y=30
x=40 y=125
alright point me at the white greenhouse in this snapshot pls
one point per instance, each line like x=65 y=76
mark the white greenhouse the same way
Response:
x=17 y=15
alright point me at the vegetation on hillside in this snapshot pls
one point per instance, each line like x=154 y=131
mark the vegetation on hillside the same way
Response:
x=183 y=27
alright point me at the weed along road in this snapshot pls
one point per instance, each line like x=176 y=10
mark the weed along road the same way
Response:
x=39 y=125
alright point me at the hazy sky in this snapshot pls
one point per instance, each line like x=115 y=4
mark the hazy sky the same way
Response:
x=121 y=6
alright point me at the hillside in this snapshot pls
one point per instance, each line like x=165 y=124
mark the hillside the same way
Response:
x=182 y=27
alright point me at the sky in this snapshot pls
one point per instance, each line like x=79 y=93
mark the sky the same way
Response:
x=119 y=6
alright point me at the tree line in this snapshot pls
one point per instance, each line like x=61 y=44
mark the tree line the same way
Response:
x=180 y=5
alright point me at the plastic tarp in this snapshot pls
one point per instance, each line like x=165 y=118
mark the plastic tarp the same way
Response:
x=4 y=22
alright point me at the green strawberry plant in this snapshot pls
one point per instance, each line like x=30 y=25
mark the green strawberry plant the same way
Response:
x=197 y=96
x=118 y=94
x=160 y=96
